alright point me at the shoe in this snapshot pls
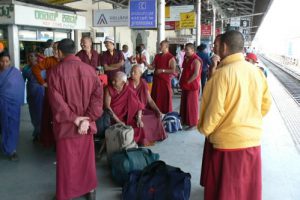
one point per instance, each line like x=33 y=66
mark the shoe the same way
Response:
x=91 y=195
x=14 y=157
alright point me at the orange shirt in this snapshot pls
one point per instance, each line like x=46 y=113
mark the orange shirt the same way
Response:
x=46 y=64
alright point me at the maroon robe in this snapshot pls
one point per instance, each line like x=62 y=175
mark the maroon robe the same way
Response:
x=233 y=174
x=47 y=136
x=74 y=90
x=189 y=105
x=126 y=105
x=108 y=59
x=153 y=128
x=161 y=89
x=94 y=61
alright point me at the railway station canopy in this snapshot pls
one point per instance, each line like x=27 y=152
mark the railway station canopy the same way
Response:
x=254 y=10
x=226 y=11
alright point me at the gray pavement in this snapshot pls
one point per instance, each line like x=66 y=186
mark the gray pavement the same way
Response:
x=33 y=176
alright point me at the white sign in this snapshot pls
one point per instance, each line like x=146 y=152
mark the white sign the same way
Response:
x=6 y=14
x=235 y=21
x=180 y=40
x=176 y=10
x=110 y=17
x=245 y=31
x=25 y=15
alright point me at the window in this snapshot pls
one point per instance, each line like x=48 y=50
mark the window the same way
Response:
x=45 y=35
x=27 y=35
x=60 y=35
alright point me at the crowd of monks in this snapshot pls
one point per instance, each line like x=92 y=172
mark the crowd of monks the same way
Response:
x=66 y=95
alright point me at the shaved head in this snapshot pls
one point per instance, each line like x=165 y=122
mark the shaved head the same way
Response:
x=234 y=40
x=121 y=76
x=190 y=45
x=138 y=67
x=165 y=42
x=136 y=72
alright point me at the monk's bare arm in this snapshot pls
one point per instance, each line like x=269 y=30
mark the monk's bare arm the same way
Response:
x=139 y=121
x=197 y=65
x=152 y=104
x=107 y=101
x=149 y=66
x=172 y=66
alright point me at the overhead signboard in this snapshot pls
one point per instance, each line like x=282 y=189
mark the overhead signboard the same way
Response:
x=6 y=14
x=245 y=22
x=206 y=30
x=188 y=20
x=180 y=40
x=170 y=25
x=245 y=31
x=173 y=12
x=143 y=13
x=60 y=2
x=167 y=11
x=25 y=15
x=110 y=17
x=177 y=25
x=235 y=21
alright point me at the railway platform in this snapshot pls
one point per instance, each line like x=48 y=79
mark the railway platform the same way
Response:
x=33 y=176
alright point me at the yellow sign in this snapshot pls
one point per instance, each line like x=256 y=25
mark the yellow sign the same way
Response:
x=177 y=25
x=167 y=12
x=60 y=2
x=188 y=20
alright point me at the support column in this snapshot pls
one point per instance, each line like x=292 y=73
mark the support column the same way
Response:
x=160 y=21
x=115 y=29
x=14 y=45
x=222 y=25
x=76 y=38
x=115 y=35
x=198 y=23
x=214 y=24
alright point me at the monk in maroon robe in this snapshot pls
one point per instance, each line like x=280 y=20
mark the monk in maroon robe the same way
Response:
x=125 y=106
x=164 y=65
x=47 y=137
x=190 y=82
x=153 y=128
x=87 y=54
x=76 y=99
x=112 y=60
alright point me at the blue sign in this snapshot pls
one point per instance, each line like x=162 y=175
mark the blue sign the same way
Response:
x=143 y=14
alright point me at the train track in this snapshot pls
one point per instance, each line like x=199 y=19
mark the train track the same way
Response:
x=289 y=79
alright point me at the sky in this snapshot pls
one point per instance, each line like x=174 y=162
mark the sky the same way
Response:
x=280 y=30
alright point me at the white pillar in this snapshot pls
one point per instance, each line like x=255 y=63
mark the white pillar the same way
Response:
x=115 y=35
x=222 y=25
x=198 y=23
x=14 y=45
x=214 y=24
x=75 y=36
x=160 y=21
x=115 y=29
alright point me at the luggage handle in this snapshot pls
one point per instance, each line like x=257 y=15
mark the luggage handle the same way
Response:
x=119 y=125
